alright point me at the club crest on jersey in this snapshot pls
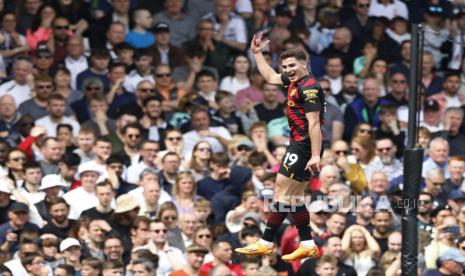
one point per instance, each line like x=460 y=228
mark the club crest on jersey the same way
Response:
x=292 y=92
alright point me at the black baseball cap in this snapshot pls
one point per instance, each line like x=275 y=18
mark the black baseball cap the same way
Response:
x=431 y=105
x=161 y=27
x=19 y=207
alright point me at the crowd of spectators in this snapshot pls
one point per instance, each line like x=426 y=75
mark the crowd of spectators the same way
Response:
x=138 y=138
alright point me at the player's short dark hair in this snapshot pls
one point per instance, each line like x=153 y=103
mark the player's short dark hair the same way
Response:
x=116 y=65
x=114 y=158
x=131 y=125
x=296 y=53
x=205 y=73
x=68 y=126
x=104 y=139
x=451 y=74
x=156 y=97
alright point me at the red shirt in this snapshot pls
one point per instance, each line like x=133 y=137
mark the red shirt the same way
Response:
x=235 y=268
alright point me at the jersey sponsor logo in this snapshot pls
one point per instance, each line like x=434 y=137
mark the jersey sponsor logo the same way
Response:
x=311 y=95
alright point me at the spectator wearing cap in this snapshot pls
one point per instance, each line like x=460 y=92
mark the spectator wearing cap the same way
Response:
x=105 y=195
x=163 y=51
x=143 y=72
x=52 y=186
x=451 y=263
x=99 y=62
x=321 y=36
x=140 y=37
x=397 y=93
x=229 y=27
x=216 y=52
x=453 y=120
x=240 y=151
x=435 y=31
x=127 y=208
x=83 y=197
x=182 y=25
x=438 y=156
x=18 y=87
x=37 y=106
x=72 y=251
x=10 y=231
x=59 y=224
x=42 y=60
x=431 y=116
x=195 y=257
x=75 y=60
x=449 y=96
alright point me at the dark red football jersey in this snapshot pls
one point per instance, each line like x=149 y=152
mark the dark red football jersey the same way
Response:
x=304 y=95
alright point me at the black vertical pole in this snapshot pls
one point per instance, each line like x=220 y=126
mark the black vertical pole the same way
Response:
x=413 y=159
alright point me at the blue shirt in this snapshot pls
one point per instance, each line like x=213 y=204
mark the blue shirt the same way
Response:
x=139 y=40
x=6 y=228
x=208 y=187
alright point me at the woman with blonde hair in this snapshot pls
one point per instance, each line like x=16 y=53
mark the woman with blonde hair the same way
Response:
x=184 y=192
x=198 y=164
x=362 y=250
x=363 y=149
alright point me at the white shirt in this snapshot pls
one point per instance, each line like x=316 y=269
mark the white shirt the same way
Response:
x=132 y=80
x=192 y=137
x=232 y=84
x=17 y=269
x=76 y=66
x=453 y=101
x=52 y=127
x=244 y=6
x=235 y=30
x=138 y=194
x=134 y=171
x=336 y=84
x=20 y=93
x=79 y=200
x=32 y=198
x=396 y=8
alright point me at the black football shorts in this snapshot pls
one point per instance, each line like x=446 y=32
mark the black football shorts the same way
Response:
x=295 y=160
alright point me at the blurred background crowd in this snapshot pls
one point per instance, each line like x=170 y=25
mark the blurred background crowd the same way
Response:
x=138 y=138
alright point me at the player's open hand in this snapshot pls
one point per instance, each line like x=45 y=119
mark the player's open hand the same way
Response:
x=258 y=44
x=313 y=165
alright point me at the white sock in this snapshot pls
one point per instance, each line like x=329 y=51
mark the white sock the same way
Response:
x=308 y=243
x=266 y=243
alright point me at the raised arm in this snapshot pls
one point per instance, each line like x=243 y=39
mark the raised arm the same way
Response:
x=269 y=74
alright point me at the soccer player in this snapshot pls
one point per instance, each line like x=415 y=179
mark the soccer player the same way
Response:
x=305 y=109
